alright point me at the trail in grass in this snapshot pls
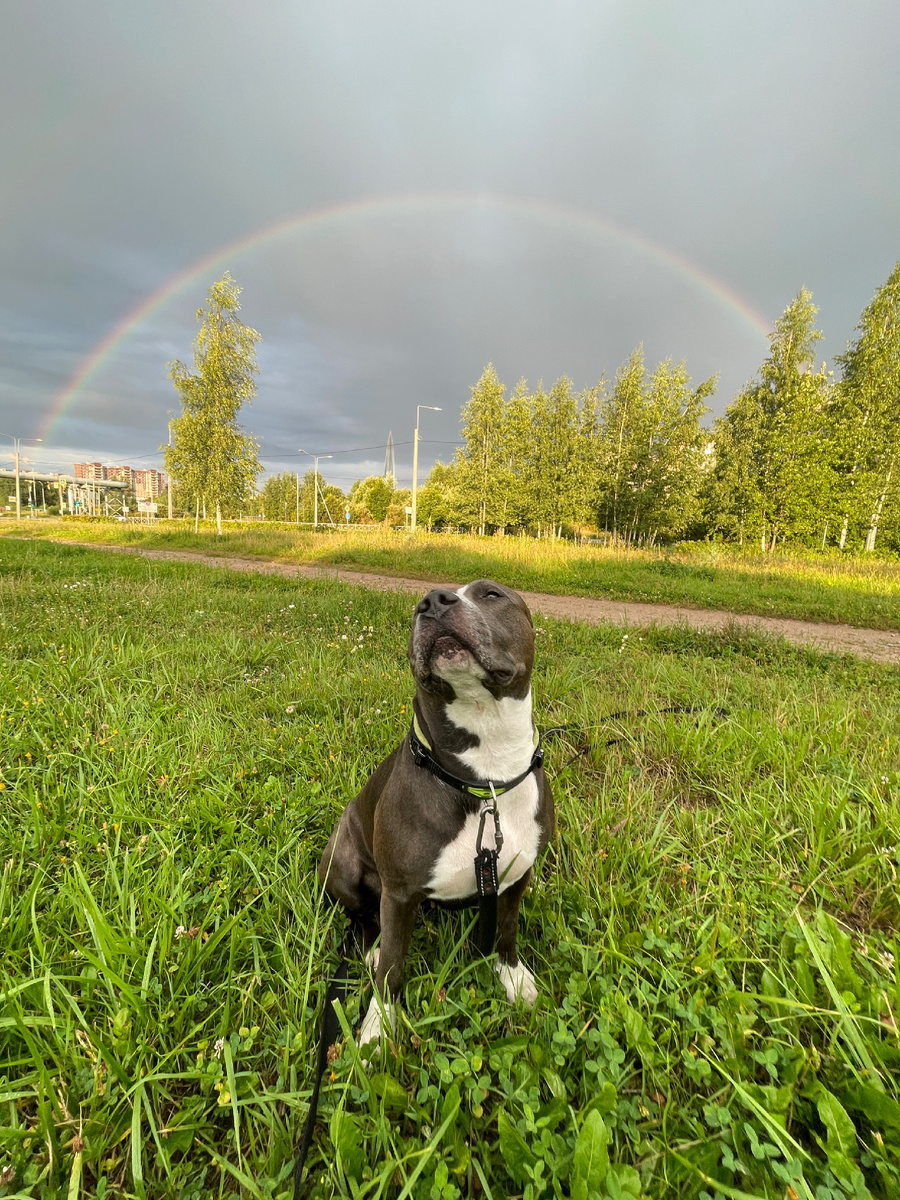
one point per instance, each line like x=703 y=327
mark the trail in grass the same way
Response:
x=874 y=644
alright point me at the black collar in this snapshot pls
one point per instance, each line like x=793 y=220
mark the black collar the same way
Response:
x=422 y=757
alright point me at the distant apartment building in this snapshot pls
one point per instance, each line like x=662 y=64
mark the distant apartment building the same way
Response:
x=94 y=470
x=148 y=484
x=122 y=474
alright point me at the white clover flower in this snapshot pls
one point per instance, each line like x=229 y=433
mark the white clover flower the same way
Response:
x=218 y=1047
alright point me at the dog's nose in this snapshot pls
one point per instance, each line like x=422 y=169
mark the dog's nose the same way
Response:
x=436 y=603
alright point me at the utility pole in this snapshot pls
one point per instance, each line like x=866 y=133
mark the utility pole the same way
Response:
x=169 y=477
x=415 y=486
x=315 y=458
x=17 y=442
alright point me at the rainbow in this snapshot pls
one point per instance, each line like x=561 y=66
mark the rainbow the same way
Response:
x=562 y=215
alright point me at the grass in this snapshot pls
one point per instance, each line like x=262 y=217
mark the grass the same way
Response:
x=713 y=930
x=862 y=591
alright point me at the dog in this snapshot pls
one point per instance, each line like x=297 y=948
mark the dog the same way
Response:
x=467 y=783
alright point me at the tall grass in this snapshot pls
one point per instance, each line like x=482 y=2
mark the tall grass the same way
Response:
x=861 y=591
x=713 y=930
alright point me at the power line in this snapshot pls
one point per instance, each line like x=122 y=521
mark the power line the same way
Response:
x=352 y=450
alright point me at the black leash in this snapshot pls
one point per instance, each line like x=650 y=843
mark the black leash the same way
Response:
x=634 y=712
x=486 y=877
x=329 y=1034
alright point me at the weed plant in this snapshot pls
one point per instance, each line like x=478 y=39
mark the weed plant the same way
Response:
x=712 y=931
x=863 y=591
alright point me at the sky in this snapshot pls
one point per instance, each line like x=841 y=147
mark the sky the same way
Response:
x=408 y=191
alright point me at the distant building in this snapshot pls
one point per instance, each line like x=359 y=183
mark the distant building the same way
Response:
x=148 y=484
x=123 y=474
x=92 y=470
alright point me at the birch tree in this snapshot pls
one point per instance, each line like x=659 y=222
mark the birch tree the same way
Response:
x=481 y=461
x=212 y=459
x=868 y=407
x=772 y=447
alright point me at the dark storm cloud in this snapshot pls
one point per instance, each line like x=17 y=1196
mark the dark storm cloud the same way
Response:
x=757 y=142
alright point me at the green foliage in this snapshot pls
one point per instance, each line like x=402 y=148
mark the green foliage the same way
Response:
x=479 y=467
x=281 y=493
x=211 y=459
x=869 y=416
x=653 y=464
x=711 y=930
x=551 y=461
x=378 y=500
x=774 y=471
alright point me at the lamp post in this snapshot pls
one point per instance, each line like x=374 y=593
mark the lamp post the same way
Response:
x=415 y=486
x=315 y=458
x=169 y=477
x=17 y=442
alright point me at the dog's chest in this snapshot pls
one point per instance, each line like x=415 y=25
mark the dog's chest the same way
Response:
x=505 y=735
x=453 y=875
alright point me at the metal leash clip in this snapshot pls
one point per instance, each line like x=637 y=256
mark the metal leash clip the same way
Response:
x=489 y=808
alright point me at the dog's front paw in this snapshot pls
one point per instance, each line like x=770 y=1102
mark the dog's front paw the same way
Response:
x=381 y=1021
x=518 y=981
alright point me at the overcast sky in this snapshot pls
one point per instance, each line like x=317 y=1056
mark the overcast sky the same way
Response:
x=541 y=185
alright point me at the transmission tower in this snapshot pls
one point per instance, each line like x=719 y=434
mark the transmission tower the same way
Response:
x=389 y=466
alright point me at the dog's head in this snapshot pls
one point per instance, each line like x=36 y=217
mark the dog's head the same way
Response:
x=481 y=631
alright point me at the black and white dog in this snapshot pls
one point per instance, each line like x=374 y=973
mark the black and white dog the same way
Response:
x=468 y=771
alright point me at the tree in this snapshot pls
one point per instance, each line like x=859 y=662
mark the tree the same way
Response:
x=620 y=419
x=211 y=458
x=515 y=471
x=370 y=499
x=481 y=461
x=279 y=498
x=772 y=458
x=868 y=404
x=434 y=501
x=554 y=456
x=668 y=453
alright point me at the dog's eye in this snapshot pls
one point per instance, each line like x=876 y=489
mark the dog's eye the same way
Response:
x=493 y=595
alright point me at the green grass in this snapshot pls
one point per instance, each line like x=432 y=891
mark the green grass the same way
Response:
x=712 y=930
x=862 y=591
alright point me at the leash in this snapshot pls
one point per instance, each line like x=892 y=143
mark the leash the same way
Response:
x=328 y=1035
x=634 y=712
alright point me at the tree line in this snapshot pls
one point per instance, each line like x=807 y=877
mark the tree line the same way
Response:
x=803 y=455
x=800 y=456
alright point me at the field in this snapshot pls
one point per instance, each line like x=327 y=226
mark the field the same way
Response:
x=713 y=931
x=863 y=591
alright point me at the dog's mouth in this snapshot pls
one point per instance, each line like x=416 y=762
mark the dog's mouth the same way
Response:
x=448 y=651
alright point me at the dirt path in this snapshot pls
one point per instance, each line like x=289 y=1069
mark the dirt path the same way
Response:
x=876 y=644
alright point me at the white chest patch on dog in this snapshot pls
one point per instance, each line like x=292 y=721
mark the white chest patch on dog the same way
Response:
x=453 y=877
x=506 y=745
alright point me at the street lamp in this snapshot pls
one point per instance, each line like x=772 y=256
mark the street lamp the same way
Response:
x=431 y=408
x=17 y=442
x=315 y=458
x=169 y=477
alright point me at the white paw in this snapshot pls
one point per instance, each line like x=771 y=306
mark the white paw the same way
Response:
x=381 y=1021
x=518 y=981
x=372 y=957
